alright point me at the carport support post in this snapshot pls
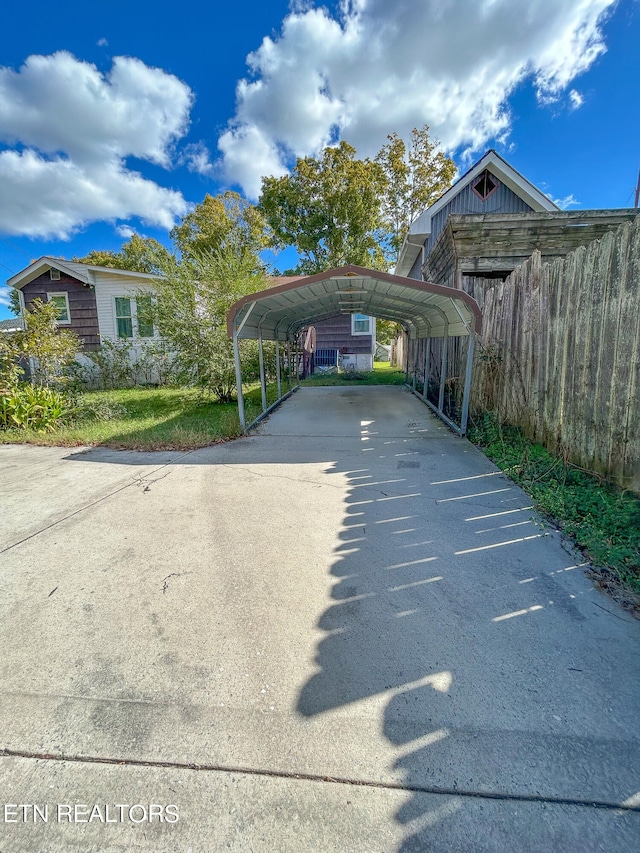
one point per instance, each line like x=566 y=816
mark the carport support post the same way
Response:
x=263 y=383
x=443 y=366
x=236 y=358
x=406 y=377
x=289 y=354
x=467 y=383
x=278 y=377
x=427 y=365
x=415 y=361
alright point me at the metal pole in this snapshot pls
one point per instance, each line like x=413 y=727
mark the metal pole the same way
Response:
x=236 y=358
x=467 y=384
x=278 y=378
x=289 y=364
x=406 y=377
x=427 y=365
x=263 y=382
x=415 y=362
x=443 y=366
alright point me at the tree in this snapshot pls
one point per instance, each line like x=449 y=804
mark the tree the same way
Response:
x=140 y=254
x=218 y=223
x=193 y=298
x=416 y=175
x=50 y=348
x=329 y=209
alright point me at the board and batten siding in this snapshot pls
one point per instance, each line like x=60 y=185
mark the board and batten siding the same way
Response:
x=503 y=200
x=107 y=288
x=561 y=354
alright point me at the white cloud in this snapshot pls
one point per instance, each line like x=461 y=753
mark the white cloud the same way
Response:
x=383 y=67
x=102 y=42
x=69 y=130
x=566 y=202
x=576 y=99
x=125 y=231
x=196 y=159
x=4 y=296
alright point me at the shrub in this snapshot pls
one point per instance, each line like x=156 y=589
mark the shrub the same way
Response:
x=34 y=407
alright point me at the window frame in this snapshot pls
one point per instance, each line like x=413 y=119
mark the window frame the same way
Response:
x=477 y=181
x=361 y=317
x=57 y=294
x=133 y=316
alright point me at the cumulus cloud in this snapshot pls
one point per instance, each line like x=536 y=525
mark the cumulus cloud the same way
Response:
x=68 y=130
x=380 y=67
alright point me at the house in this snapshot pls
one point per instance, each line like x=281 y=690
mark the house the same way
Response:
x=97 y=303
x=348 y=340
x=490 y=221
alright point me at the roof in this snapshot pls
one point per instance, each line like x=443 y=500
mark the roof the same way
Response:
x=424 y=309
x=86 y=273
x=13 y=324
x=482 y=243
x=420 y=228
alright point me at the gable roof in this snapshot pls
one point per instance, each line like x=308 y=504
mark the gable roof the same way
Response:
x=420 y=228
x=86 y=273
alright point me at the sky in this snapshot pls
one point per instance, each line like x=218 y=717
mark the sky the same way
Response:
x=118 y=117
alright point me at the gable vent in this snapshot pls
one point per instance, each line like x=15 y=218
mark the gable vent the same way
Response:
x=485 y=185
x=54 y=275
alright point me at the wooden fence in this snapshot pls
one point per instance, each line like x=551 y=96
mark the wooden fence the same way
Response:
x=560 y=354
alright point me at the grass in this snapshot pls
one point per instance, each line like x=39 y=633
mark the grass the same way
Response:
x=382 y=374
x=144 y=419
x=603 y=520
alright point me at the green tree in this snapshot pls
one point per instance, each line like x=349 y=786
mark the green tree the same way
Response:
x=220 y=223
x=329 y=209
x=416 y=175
x=139 y=254
x=193 y=298
x=51 y=348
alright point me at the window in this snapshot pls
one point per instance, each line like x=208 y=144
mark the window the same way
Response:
x=134 y=317
x=144 y=307
x=485 y=185
x=360 y=324
x=124 y=318
x=61 y=301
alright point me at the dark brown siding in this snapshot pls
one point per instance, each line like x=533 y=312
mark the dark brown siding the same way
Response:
x=335 y=333
x=82 y=305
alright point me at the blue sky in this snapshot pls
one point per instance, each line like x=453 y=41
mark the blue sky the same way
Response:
x=117 y=117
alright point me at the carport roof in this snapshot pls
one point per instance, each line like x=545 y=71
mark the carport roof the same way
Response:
x=424 y=309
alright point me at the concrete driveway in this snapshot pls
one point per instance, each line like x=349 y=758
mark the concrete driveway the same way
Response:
x=347 y=632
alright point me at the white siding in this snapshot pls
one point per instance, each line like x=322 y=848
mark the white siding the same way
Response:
x=107 y=288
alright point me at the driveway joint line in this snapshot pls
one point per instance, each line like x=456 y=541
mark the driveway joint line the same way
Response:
x=316 y=777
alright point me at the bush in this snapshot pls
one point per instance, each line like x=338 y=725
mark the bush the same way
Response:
x=34 y=407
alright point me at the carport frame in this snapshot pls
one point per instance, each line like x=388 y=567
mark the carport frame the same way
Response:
x=417 y=306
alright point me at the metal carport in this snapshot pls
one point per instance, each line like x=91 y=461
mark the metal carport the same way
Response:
x=426 y=311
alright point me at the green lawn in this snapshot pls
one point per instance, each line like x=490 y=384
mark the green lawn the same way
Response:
x=382 y=374
x=170 y=418
x=146 y=419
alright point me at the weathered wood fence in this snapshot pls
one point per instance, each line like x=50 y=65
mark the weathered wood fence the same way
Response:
x=560 y=354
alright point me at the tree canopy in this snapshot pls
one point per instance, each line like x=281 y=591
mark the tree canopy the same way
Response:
x=329 y=209
x=140 y=254
x=416 y=174
x=218 y=223
x=337 y=209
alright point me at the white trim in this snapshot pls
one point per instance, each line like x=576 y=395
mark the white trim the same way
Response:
x=135 y=328
x=420 y=229
x=83 y=272
x=63 y=293
x=353 y=323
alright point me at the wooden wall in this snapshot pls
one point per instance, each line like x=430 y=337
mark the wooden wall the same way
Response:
x=82 y=305
x=560 y=354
